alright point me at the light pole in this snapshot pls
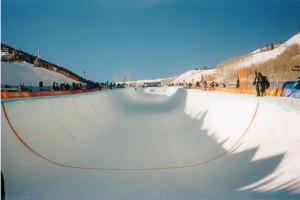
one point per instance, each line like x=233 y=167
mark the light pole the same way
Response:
x=39 y=51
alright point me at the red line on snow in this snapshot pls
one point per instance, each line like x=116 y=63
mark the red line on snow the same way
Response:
x=232 y=148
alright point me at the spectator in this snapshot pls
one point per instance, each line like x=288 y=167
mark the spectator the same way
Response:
x=258 y=82
x=297 y=85
x=238 y=83
x=21 y=87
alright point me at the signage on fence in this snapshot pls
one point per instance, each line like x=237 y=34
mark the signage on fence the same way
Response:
x=243 y=77
x=296 y=68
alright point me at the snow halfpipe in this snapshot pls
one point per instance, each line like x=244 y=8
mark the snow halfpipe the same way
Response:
x=158 y=143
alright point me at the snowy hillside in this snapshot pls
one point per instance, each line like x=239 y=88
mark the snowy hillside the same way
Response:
x=24 y=73
x=258 y=57
x=196 y=75
x=255 y=57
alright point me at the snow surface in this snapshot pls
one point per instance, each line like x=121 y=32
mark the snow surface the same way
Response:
x=196 y=75
x=24 y=73
x=128 y=144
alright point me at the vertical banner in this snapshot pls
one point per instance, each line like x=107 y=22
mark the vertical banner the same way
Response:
x=207 y=79
x=243 y=77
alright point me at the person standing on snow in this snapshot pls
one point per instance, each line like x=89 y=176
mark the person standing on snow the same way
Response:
x=297 y=85
x=258 y=82
x=238 y=83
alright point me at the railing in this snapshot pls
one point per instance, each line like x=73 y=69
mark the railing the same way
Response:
x=8 y=95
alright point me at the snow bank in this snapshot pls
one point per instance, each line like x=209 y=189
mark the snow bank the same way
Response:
x=196 y=75
x=29 y=75
x=188 y=145
x=274 y=132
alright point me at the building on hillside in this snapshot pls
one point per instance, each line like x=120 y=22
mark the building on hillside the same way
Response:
x=152 y=84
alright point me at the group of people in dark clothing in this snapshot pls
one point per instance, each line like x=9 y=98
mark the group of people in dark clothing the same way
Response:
x=63 y=86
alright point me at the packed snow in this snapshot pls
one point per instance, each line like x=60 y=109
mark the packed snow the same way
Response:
x=17 y=73
x=129 y=144
x=193 y=75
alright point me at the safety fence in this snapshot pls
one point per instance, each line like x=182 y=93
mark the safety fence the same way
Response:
x=280 y=92
x=295 y=93
x=269 y=92
x=9 y=95
x=291 y=93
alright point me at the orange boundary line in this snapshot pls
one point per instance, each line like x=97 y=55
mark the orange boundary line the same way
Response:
x=232 y=148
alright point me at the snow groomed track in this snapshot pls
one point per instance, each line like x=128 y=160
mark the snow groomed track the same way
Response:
x=169 y=144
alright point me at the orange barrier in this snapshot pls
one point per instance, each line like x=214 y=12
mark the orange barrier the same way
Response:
x=243 y=90
x=269 y=92
x=251 y=91
x=279 y=92
x=9 y=95
x=236 y=90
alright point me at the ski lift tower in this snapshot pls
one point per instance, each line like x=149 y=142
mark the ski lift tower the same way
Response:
x=39 y=53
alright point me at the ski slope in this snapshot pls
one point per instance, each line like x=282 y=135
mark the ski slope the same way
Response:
x=165 y=143
x=24 y=73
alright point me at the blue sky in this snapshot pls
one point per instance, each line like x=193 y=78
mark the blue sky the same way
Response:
x=148 y=38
